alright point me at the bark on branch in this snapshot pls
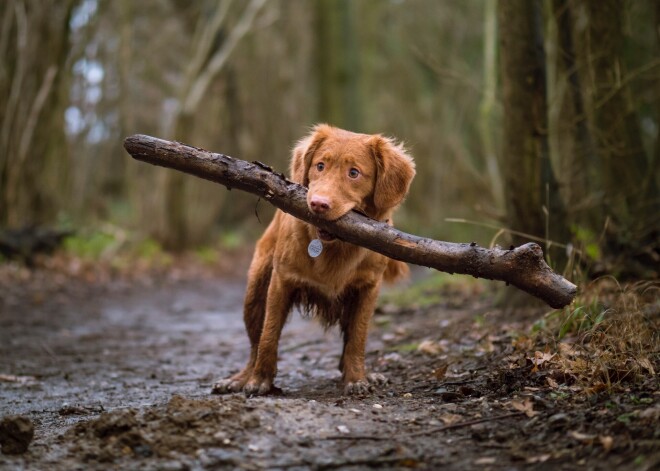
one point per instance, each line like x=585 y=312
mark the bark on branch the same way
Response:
x=523 y=267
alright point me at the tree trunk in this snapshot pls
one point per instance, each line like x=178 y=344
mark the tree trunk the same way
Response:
x=572 y=142
x=208 y=59
x=532 y=201
x=630 y=201
x=338 y=64
x=523 y=267
x=32 y=141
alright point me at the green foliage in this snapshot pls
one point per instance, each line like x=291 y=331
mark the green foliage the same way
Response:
x=207 y=255
x=231 y=240
x=120 y=247
x=149 y=249
x=90 y=246
x=588 y=241
x=404 y=347
x=382 y=321
x=579 y=319
x=626 y=418
x=641 y=400
x=427 y=292
x=539 y=326
x=560 y=395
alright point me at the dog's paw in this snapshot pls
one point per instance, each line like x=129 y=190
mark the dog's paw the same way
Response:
x=258 y=387
x=377 y=379
x=358 y=388
x=365 y=386
x=227 y=386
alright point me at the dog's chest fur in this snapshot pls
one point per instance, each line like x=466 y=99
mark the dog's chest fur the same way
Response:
x=339 y=265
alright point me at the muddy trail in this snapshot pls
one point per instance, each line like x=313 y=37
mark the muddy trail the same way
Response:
x=118 y=376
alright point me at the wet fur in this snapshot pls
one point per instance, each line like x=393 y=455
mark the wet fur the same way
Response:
x=341 y=285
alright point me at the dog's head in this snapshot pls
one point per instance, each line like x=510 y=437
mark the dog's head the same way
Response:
x=345 y=171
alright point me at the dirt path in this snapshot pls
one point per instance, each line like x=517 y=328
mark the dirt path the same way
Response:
x=119 y=377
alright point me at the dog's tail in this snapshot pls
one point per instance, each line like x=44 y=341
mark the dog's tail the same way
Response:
x=395 y=271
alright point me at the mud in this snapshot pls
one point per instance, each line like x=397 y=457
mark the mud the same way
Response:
x=16 y=433
x=118 y=375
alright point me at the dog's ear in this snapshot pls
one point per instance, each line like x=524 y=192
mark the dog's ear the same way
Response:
x=395 y=171
x=304 y=151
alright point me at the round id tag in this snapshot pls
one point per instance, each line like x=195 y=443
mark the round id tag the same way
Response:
x=315 y=248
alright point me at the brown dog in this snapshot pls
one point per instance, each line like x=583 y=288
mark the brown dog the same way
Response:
x=343 y=171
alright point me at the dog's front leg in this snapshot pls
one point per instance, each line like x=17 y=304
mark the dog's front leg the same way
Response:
x=278 y=305
x=355 y=329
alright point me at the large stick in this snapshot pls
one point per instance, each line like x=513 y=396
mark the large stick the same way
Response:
x=523 y=267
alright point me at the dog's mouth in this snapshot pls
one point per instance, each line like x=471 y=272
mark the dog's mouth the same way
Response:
x=325 y=235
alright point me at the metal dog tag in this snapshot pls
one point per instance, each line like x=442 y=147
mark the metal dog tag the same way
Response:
x=315 y=248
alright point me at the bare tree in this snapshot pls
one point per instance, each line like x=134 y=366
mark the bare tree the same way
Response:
x=33 y=51
x=337 y=63
x=629 y=216
x=570 y=137
x=209 y=57
x=532 y=200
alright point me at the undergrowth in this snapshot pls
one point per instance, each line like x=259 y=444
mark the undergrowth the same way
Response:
x=605 y=341
x=435 y=289
x=607 y=338
x=108 y=251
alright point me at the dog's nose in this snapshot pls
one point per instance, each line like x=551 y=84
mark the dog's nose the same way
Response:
x=319 y=204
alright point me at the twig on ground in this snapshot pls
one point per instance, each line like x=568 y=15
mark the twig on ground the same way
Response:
x=424 y=432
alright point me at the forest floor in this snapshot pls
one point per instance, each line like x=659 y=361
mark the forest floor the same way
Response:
x=115 y=372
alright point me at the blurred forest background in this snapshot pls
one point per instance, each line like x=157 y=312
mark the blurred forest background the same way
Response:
x=527 y=119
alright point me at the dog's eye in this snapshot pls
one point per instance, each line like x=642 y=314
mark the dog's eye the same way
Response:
x=353 y=173
x=320 y=166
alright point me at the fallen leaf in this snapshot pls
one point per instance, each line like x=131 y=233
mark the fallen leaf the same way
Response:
x=568 y=350
x=440 y=371
x=523 y=343
x=538 y=459
x=18 y=379
x=607 y=442
x=485 y=460
x=646 y=364
x=540 y=358
x=343 y=429
x=450 y=419
x=526 y=406
x=652 y=413
x=409 y=463
x=551 y=382
x=585 y=438
x=595 y=389
x=429 y=347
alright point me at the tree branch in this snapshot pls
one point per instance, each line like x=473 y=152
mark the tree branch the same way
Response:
x=217 y=62
x=523 y=267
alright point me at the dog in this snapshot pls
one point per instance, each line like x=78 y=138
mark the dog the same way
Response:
x=343 y=171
